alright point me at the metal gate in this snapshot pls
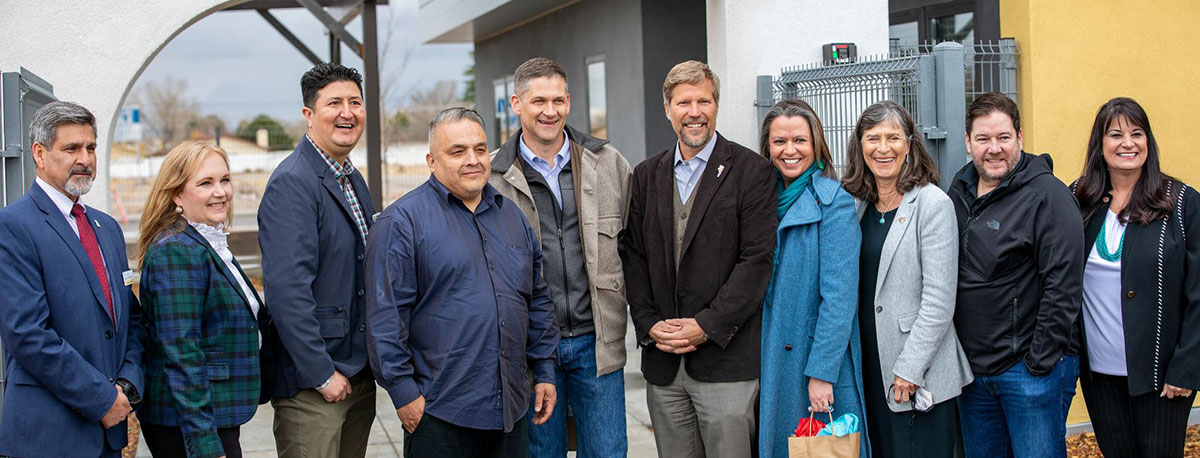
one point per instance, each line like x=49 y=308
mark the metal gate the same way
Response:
x=934 y=83
x=21 y=94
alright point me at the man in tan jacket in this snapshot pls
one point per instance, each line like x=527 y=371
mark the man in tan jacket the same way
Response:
x=574 y=190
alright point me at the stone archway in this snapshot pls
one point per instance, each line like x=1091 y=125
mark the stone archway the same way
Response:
x=93 y=51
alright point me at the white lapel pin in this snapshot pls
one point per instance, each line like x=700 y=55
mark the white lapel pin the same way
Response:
x=97 y=223
x=720 y=168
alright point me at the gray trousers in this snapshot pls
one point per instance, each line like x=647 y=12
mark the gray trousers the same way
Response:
x=694 y=419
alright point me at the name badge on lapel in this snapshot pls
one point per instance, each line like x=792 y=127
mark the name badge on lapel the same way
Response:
x=128 y=277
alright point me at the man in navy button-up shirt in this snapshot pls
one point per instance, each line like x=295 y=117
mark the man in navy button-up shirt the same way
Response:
x=457 y=311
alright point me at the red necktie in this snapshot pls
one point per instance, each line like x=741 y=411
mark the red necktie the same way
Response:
x=92 y=247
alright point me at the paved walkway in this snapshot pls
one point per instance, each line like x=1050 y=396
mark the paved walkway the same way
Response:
x=387 y=434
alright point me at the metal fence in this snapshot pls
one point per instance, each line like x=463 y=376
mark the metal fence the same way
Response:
x=21 y=94
x=935 y=84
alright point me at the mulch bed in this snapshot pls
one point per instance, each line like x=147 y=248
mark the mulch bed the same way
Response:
x=1084 y=445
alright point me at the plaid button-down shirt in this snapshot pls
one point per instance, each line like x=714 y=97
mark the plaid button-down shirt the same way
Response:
x=342 y=173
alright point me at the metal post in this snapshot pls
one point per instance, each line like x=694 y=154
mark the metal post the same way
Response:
x=764 y=96
x=374 y=120
x=335 y=49
x=1008 y=68
x=926 y=112
x=951 y=109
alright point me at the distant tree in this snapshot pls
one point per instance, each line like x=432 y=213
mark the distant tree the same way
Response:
x=411 y=122
x=206 y=127
x=469 y=94
x=396 y=128
x=277 y=135
x=393 y=60
x=167 y=110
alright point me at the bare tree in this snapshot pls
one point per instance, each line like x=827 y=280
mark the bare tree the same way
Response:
x=411 y=122
x=392 y=68
x=168 y=109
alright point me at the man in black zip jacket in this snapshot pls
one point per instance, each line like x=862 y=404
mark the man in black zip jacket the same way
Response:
x=1019 y=289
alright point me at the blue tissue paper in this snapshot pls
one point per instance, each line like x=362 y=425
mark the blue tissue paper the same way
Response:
x=845 y=424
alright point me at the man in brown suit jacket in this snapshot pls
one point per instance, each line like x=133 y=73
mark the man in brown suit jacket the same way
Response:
x=698 y=256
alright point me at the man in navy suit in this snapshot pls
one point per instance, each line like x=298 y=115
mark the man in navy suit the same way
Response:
x=69 y=321
x=312 y=228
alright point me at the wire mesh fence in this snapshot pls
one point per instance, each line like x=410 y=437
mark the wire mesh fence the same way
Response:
x=987 y=65
x=840 y=93
x=906 y=75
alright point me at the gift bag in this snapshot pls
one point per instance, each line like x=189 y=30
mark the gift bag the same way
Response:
x=824 y=446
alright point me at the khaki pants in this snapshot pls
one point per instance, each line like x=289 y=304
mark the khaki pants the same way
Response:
x=308 y=427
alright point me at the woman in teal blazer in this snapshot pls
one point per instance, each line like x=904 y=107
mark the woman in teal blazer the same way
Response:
x=203 y=315
x=810 y=345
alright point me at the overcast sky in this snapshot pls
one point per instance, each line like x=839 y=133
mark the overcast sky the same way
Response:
x=237 y=66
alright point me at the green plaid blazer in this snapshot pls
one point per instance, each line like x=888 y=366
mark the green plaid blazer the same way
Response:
x=202 y=354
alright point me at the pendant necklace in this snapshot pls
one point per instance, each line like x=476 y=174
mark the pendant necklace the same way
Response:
x=882 y=213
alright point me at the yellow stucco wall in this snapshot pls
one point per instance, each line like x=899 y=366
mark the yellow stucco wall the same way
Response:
x=1077 y=54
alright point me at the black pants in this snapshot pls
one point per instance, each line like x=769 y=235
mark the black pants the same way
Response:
x=1135 y=426
x=912 y=434
x=435 y=438
x=167 y=441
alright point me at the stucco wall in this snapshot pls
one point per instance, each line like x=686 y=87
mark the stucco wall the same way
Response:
x=1076 y=54
x=92 y=51
x=747 y=38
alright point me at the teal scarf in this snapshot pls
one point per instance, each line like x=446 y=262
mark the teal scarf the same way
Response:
x=789 y=195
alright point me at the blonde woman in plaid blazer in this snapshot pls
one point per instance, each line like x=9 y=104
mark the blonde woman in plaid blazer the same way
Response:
x=203 y=316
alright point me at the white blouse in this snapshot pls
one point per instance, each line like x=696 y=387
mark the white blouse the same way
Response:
x=1103 y=321
x=218 y=238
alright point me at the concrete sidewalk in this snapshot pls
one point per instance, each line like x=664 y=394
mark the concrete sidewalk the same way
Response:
x=387 y=435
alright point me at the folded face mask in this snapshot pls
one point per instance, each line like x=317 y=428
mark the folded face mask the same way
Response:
x=922 y=400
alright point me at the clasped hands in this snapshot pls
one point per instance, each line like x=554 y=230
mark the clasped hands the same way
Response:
x=677 y=335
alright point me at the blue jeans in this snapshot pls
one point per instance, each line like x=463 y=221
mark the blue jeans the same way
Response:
x=598 y=404
x=1018 y=414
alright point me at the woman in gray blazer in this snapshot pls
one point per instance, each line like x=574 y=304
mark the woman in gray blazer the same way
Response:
x=908 y=271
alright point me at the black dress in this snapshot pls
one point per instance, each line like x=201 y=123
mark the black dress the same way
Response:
x=892 y=434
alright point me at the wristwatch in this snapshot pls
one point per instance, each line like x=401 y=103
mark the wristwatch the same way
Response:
x=130 y=392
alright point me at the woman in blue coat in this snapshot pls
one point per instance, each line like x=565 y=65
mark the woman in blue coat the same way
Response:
x=810 y=345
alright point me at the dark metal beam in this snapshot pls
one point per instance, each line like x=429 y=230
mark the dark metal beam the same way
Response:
x=374 y=120
x=335 y=49
x=291 y=38
x=357 y=10
x=273 y=4
x=333 y=25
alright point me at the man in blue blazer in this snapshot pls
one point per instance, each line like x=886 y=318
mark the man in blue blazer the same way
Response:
x=312 y=229
x=69 y=321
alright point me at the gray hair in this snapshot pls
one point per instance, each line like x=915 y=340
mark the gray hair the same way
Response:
x=44 y=128
x=455 y=114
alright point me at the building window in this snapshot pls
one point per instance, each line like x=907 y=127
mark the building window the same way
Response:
x=932 y=22
x=904 y=33
x=597 y=97
x=956 y=27
x=514 y=122
x=505 y=120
